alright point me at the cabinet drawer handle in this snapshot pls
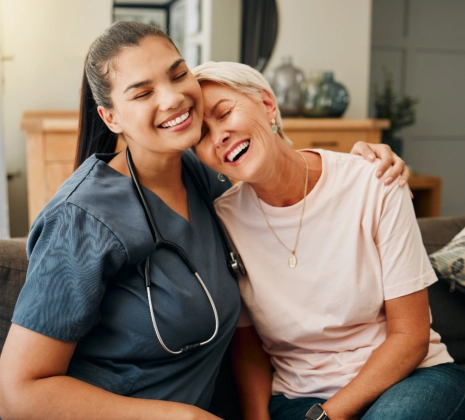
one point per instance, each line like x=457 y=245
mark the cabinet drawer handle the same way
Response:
x=325 y=143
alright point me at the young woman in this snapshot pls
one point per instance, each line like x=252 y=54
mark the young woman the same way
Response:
x=82 y=343
x=129 y=304
x=337 y=272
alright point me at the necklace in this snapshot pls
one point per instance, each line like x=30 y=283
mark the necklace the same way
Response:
x=292 y=262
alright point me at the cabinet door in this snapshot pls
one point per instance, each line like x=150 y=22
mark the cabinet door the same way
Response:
x=330 y=140
x=55 y=174
x=60 y=147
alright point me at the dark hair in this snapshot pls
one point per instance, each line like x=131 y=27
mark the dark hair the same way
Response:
x=93 y=135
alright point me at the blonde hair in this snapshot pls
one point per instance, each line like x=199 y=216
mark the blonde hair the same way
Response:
x=241 y=78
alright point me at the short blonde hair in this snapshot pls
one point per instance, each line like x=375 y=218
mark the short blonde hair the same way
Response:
x=241 y=78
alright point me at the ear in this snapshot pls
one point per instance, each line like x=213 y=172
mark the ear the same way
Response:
x=270 y=105
x=108 y=117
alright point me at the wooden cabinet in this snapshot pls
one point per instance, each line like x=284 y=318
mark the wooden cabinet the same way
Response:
x=50 y=149
x=426 y=195
x=52 y=139
x=336 y=134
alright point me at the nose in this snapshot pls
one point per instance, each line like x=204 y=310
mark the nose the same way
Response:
x=170 y=99
x=220 y=138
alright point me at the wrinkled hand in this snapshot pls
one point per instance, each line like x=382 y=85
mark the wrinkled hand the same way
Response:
x=389 y=161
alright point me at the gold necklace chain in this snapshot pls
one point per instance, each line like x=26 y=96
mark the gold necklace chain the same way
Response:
x=292 y=262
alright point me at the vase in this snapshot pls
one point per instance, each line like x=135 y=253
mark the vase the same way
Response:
x=286 y=82
x=335 y=95
x=314 y=100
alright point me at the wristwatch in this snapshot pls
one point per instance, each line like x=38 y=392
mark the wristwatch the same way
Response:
x=316 y=412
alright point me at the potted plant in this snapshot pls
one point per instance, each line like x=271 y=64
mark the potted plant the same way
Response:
x=400 y=111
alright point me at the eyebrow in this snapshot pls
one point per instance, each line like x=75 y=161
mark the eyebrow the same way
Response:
x=217 y=104
x=171 y=68
x=137 y=85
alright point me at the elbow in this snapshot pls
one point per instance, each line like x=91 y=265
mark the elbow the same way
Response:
x=424 y=348
x=420 y=348
x=11 y=400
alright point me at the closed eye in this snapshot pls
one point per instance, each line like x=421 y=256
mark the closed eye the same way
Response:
x=180 y=76
x=225 y=114
x=143 y=95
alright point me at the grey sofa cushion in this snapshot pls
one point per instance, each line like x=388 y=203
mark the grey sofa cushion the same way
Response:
x=437 y=232
x=13 y=266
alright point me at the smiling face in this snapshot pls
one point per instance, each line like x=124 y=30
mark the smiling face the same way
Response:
x=236 y=138
x=157 y=103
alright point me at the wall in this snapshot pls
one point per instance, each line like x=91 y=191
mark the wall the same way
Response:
x=49 y=40
x=422 y=44
x=328 y=35
x=4 y=219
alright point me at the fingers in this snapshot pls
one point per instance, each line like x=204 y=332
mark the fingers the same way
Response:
x=398 y=170
x=404 y=177
x=364 y=149
x=388 y=159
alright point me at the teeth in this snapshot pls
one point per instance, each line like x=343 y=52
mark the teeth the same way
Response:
x=237 y=150
x=176 y=121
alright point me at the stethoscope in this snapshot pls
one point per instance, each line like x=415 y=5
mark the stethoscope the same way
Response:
x=235 y=264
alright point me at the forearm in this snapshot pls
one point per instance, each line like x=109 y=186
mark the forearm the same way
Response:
x=63 y=397
x=252 y=370
x=394 y=360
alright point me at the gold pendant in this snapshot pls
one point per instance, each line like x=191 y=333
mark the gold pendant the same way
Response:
x=292 y=261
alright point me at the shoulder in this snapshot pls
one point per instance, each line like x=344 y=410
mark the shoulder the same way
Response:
x=234 y=200
x=209 y=178
x=348 y=172
x=97 y=199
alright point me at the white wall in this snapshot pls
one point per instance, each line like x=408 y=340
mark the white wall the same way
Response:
x=4 y=219
x=49 y=40
x=329 y=35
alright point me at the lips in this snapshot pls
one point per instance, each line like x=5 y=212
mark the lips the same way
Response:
x=237 y=151
x=176 y=119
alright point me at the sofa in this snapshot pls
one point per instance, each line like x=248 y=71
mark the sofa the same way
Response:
x=448 y=309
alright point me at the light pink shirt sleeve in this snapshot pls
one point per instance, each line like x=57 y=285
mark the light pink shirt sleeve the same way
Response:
x=405 y=263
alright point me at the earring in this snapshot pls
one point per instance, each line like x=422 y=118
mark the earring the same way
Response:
x=274 y=127
x=221 y=178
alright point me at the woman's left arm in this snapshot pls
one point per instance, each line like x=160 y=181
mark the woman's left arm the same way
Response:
x=406 y=345
x=389 y=160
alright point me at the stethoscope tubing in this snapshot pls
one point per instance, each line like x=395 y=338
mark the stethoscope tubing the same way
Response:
x=160 y=243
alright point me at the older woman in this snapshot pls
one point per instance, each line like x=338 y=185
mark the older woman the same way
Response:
x=337 y=273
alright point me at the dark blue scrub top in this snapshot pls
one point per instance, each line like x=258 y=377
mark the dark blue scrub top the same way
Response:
x=84 y=283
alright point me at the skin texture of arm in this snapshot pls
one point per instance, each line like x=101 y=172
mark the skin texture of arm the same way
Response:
x=252 y=370
x=406 y=345
x=33 y=385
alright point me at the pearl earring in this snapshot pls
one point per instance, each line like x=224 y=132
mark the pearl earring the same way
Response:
x=221 y=178
x=274 y=127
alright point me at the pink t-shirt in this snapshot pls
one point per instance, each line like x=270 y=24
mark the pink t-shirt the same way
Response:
x=359 y=246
